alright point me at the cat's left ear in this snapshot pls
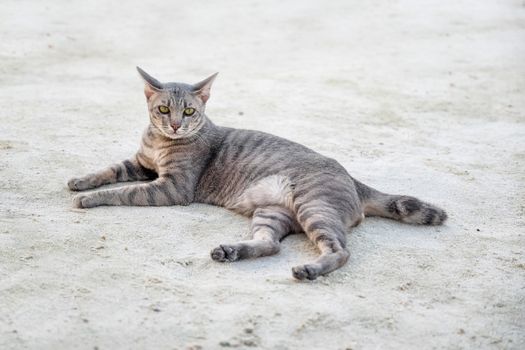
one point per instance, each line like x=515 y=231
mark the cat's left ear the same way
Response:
x=202 y=88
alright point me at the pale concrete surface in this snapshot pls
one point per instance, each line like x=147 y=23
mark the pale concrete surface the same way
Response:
x=417 y=97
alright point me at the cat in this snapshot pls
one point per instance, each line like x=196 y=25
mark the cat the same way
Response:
x=284 y=186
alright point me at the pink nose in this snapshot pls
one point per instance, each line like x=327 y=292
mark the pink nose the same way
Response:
x=175 y=126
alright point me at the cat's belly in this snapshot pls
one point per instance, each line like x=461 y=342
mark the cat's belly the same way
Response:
x=272 y=190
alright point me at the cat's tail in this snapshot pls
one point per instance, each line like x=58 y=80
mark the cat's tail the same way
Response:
x=403 y=208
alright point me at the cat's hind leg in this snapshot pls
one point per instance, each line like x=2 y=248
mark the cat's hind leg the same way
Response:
x=326 y=229
x=128 y=170
x=269 y=225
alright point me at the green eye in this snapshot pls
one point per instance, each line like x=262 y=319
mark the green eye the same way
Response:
x=189 y=111
x=164 y=109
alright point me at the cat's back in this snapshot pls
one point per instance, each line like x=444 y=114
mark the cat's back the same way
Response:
x=243 y=149
x=239 y=140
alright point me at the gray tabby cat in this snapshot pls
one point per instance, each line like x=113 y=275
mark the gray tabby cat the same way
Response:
x=284 y=186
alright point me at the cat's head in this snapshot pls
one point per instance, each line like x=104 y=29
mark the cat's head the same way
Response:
x=176 y=109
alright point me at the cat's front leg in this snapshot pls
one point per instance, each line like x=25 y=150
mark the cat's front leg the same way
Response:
x=128 y=170
x=160 y=192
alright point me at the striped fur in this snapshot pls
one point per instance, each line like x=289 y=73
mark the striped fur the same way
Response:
x=284 y=186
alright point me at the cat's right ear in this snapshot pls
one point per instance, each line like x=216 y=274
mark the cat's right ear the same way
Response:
x=151 y=85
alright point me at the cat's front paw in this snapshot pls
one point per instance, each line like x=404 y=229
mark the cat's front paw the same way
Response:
x=305 y=272
x=76 y=184
x=225 y=253
x=84 y=201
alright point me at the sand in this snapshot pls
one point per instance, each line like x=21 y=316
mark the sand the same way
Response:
x=421 y=98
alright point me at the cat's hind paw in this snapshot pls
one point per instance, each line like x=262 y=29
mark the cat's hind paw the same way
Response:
x=305 y=272
x=83 y=201
x=224 y=253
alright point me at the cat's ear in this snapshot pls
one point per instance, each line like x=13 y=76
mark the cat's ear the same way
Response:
x=151 y=85
x=202 y=88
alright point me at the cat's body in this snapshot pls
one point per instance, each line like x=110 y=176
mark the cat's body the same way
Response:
x=284 y=186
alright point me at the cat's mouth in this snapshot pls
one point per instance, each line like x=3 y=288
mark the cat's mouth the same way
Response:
x=179 y=129
x=175 y=133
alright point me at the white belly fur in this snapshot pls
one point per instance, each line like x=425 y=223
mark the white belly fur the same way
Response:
x=272 y=190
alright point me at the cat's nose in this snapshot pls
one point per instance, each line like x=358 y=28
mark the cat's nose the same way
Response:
x=175 y=126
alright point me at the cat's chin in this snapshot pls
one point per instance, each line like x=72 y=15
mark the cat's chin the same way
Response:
x=174 y=136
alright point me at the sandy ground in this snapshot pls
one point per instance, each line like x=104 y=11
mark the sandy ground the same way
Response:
x=418 y=97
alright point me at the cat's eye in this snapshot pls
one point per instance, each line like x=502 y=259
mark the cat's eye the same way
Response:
x=164 y=109
x=189 y=111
